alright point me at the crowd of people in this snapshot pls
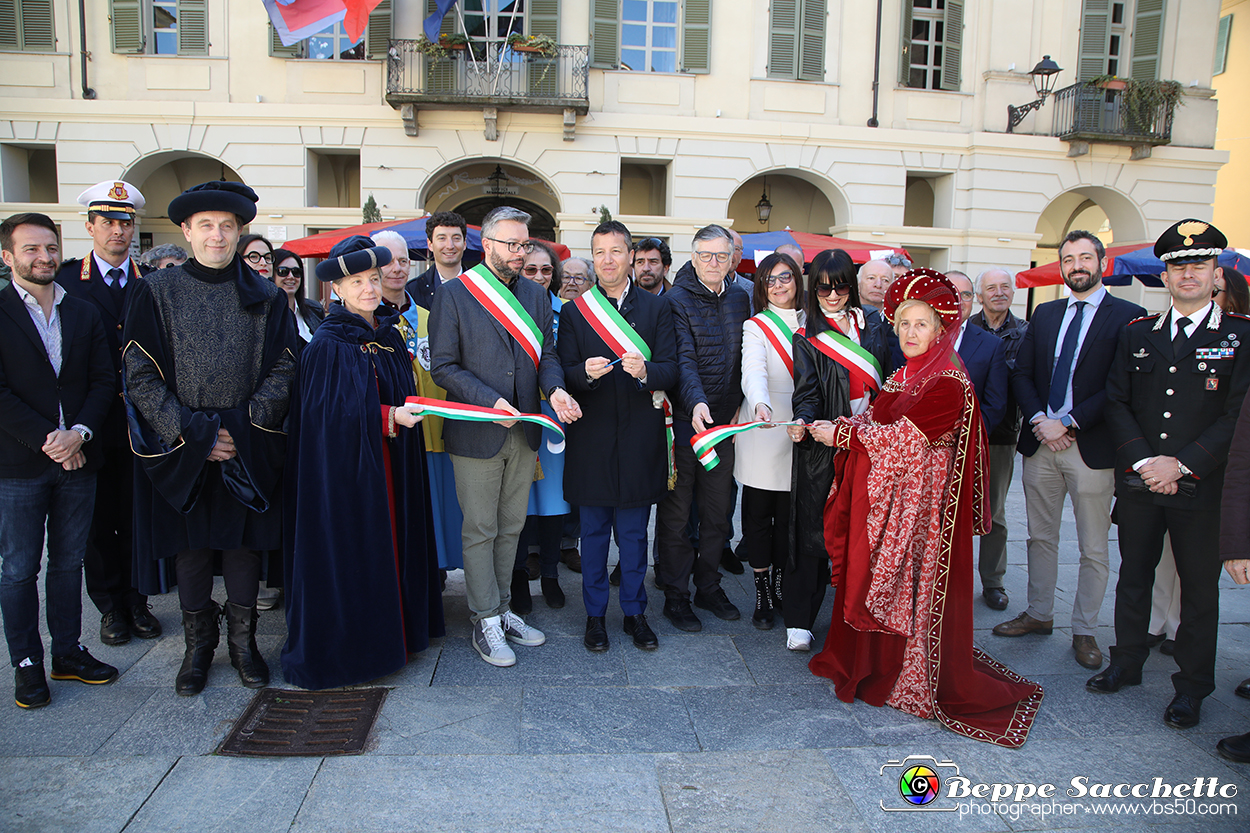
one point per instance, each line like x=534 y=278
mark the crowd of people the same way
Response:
x=198 y=414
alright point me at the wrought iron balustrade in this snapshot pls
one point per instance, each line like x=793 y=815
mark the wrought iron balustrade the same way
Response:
x=489 y=77
x=1094 y=114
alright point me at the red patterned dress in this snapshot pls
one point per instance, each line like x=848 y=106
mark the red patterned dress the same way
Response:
x=908 y=497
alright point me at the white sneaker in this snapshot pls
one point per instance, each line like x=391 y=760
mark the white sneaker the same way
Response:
x=515 y=629
x=798 y=639
x=488 y=640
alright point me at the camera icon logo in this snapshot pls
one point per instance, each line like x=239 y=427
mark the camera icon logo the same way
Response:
x=919 y=783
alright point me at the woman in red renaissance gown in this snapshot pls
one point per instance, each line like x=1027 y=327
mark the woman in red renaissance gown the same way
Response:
x=909 y=495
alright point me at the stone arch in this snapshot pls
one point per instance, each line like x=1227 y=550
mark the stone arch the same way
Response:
x=163 y=175
x=466 y=183
x=805 y=201
x=1078 y=207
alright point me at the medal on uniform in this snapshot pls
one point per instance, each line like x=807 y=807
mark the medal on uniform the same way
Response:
x=1213 y=383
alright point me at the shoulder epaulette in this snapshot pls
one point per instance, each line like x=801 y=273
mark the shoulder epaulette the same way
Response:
x=1150 y=317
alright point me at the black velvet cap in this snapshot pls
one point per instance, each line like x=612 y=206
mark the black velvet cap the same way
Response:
x=351 y=255
x=217 y=195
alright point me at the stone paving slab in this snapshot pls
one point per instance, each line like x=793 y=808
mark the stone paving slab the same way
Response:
x=694 y=659
x=172 y=725
x=84 y=795
x=605 y=720
x=518 y=794
x=772 y=717
x=449 y=720
x=78 y=721
x=563 y=660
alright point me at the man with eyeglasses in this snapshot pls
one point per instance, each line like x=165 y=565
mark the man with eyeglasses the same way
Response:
x=105 y=278
x=394 y=274
x=492 y=345
x=708 y=314
x=652 y=259
x=446 y=236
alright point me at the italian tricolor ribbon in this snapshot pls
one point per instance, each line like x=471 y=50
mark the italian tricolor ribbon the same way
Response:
x=861 y=364
x=610 y=325
x=504 y=308
x=704 y=443
x=779 y=335
x=474 y=413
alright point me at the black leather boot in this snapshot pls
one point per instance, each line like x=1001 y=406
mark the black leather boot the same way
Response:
x=521 y=602
x=763 y=618
x=241 y=640
x=199 y=629
x=776 y=587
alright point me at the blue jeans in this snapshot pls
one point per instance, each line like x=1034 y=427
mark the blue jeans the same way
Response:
x=65 y=501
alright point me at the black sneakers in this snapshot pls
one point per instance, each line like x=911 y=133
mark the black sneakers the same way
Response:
x=716 y=601
x=30 y=687
x=83 y=667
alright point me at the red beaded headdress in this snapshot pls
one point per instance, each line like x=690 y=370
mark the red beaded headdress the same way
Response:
x=927 y=285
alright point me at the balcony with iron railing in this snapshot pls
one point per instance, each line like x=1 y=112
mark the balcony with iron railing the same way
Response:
x=476 y=77
x=1088 y=113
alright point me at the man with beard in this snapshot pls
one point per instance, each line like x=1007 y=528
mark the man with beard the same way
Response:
x=394 y=274
x=1060 y=381
x=446 y=236
x=492 y=346
x=652 y=259
x=56 y=382
x=104 y=278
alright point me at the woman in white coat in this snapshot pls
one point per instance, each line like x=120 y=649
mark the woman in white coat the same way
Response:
x=762 y=460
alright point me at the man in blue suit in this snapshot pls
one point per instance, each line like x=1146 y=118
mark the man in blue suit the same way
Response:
x=1060 y=380
x=983 y=356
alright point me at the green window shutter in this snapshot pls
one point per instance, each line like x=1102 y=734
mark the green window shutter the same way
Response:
x=544 y=72
x=8 y=25
x=695 y=47
x=1147 y=40
x=440 y=75
x=783 y=39
x=1221 y=44
x=605 y=34
x=378 y=32
x=904 y=56
x=277 y=50
x=544 y=18
x=812 y=40
x=1095 y=39
x=37 y=33
x=127 y=26
x=952 y=44
x=192 y=27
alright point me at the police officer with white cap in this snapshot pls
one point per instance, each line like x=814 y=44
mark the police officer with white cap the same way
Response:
x=103 y=278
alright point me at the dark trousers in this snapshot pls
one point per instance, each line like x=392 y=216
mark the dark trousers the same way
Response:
x=62 y=500
x=803 y=589
x=765 y=527
x=106 y=564
x=545 y=531
x=678 y=559
x=1195 y=544
x=240 y=569
x=630 y=526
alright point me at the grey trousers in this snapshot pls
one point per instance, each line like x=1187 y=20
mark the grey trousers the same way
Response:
x=494 y=494
x=1048 y=479
x=992 y=559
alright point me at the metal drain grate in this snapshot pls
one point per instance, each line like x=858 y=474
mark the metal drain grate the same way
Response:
x=282 y=723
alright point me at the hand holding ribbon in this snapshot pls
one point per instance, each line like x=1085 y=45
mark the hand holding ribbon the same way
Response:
x=474 y=413
x=704 y=442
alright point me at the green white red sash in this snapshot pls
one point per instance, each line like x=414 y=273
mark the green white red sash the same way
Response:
x=779 y=335
x=704 y=443
x=473 y=413
x=504 y=307
x=861 y=364
x=610 y=325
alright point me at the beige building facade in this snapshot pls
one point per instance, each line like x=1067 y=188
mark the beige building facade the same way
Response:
x=669 y=113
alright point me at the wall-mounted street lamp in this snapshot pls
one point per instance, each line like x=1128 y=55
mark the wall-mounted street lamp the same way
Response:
x=498 y=183
x=1044 y=77
x=764 y=208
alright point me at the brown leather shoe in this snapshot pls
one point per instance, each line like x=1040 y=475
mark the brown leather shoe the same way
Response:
x=1024 y=623
x=1087 y=653
x=571 y=558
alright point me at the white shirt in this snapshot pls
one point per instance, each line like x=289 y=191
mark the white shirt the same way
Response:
x=1092 y=302
x=1194 y=320
x=963 y=328
x=49 y=327
x=104 y=267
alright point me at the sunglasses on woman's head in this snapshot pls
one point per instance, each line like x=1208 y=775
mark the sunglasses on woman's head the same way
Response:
x=824 y=290
x=531 y=271
x=285 y=271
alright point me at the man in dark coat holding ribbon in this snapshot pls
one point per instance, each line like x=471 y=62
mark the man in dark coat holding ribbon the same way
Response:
x=618 y=348
x=209 y=361
x=361 y=563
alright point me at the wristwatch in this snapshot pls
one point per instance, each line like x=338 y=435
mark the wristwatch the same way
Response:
x=1066 y=421
x=1184 y=469
x=83 y=431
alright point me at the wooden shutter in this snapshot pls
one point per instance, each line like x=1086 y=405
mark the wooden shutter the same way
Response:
x=440 y=75
x=36 y=30
x=8 y=25
x=1221 y=44
x=378 y=32
x=783 y=39
x=1095 y=39
x=812 y=39
x=277 y=50
x=904 y=56
x=127 y=26
x=192 y=27
x=1147 y=40
x=952 y=43
x=605 y=34
x=544 y=72
x=695 y=41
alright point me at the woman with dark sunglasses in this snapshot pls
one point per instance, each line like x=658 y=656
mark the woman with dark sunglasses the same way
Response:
x=288 y=274
x=834 y=366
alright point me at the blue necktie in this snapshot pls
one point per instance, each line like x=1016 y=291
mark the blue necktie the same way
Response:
x=116 y=275
x=1062 y=377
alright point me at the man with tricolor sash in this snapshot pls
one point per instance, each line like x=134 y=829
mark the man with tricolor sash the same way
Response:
x=492 y=346
x=618 y=350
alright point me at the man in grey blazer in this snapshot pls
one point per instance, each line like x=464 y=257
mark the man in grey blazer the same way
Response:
x=476 y=358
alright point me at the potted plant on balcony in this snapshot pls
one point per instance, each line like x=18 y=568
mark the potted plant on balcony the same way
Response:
x=431 y=49
x=455 y=42
x=544 y=45
x=1143 y=100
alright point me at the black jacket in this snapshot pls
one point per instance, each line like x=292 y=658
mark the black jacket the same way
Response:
x=709 y=348
x=1011 y=333
x=423 y=287
x=822 y=390
x=31 y=393
x=311 y=313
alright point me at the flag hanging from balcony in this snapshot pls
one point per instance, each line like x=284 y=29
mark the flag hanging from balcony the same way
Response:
x=435 y=21
x=295 y=20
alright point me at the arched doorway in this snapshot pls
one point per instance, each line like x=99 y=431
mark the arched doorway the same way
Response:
x=800 y=202
x=472 y=189
x=163 y=176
